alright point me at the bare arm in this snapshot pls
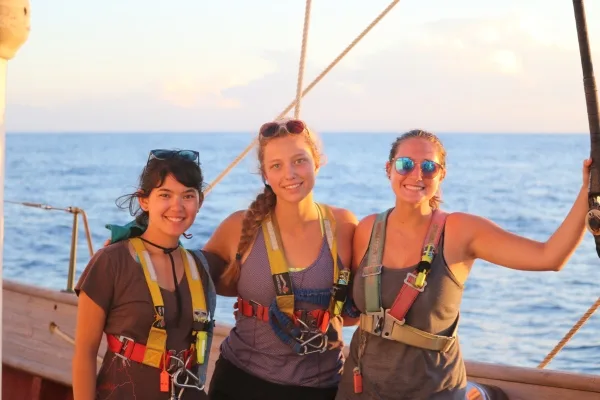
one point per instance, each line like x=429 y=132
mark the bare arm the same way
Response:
x=360 y=242
x=489 y=242
x=346 y=223
x=223 y=243
x=88 y=334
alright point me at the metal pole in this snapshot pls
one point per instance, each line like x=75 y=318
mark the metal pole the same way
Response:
x=73 y=253
x=14 y=31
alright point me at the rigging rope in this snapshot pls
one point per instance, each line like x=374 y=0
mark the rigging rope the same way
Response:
x=570 y=334
x=302 y=58
x=304 y=93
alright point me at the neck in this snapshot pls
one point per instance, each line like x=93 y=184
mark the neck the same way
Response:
x=160 y=239
x=411 y=215
x=295 y=216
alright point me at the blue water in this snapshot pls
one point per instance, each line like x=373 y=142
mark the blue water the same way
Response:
x=525 y=183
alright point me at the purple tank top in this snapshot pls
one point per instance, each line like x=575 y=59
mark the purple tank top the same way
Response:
x=253 y=346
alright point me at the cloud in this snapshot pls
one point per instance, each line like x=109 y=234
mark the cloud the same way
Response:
x=475 y=75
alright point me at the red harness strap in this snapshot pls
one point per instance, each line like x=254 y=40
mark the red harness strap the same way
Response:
x=249 y=308
x=409 y=291
x=131 y=350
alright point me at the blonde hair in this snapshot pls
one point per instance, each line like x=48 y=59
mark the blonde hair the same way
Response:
x=265 y=201
x=435 y=201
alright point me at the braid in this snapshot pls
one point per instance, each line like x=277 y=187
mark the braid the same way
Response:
x=255 y=215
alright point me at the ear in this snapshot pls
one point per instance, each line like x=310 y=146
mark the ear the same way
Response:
x=442 y=175
x=388 y=169
x=200 y=201
x=143 y=202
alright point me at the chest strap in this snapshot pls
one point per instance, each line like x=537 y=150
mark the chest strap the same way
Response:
x=391 y=323
x=249 y=308
x=128 y=349
x=155 y=347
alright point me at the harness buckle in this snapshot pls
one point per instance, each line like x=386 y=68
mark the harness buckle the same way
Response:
x=413 y=285
x=378 y=320
x=372 y=270
x=125 y=343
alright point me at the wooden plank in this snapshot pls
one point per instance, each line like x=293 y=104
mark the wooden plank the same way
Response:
x=534 y=376
x=523 y=391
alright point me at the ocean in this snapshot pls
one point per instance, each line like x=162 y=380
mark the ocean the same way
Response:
x=524 y=183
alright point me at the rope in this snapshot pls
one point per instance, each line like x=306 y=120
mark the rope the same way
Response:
x=304 y=93
x=56 y=330
x=570 y=334
x=302 y=58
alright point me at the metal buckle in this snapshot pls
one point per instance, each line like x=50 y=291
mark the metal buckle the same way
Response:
x=388 y=325
x=372 y=270
x=255 y=306
x=378 y=320
x=420 y=289
x=129 y=341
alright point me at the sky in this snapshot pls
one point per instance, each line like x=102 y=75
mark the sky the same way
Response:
x=229 y=65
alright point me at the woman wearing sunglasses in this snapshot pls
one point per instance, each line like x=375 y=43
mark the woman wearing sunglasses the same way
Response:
x=411 y=264
x=288 y=264
x=152 y=298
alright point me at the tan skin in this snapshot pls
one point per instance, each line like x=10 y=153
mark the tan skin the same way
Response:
x=467 y=237
x=288 y=161
x=173 y=208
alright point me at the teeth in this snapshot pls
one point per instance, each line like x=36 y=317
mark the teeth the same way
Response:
x=292 y=186
x=173 y=219
x=414 y=187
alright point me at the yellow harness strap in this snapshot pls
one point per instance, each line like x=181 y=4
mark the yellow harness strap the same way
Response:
x=157 y=338
x=279 y=265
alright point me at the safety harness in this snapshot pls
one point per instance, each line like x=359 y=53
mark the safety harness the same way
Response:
x=305 y=331
x=154 y=353
x=390 y=323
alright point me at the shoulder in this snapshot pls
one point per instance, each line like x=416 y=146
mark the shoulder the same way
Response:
x=465 y=220
x=109 y=254
x=234 y=220
x=366 y=224
x=114 y=250
x=342 y=215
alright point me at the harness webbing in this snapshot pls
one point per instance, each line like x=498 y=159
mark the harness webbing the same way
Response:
x=281 y=312
x=415 y=282
x=157 y=338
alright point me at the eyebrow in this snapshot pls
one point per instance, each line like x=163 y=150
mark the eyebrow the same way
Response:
x=301 y=154
x=188 y=190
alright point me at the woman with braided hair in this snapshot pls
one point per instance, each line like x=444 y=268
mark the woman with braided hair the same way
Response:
x=288 y=259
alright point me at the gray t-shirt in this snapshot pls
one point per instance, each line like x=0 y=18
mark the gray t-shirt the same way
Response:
x=115 y=281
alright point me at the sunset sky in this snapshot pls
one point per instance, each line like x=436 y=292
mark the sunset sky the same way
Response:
x=229 y=65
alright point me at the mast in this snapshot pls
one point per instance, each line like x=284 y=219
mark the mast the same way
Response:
x=14 y=31
x=591 y=101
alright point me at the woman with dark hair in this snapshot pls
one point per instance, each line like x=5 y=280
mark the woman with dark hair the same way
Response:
x=153 y=299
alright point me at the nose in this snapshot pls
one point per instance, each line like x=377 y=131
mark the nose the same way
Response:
x=176 y=202
x=417 y=173
x=289 y=171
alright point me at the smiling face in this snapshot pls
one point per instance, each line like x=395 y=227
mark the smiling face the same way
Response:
x=420 y=184
x=289 y=166
x=172 y=207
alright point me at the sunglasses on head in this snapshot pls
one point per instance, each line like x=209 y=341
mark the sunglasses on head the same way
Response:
x=405 y=165
x=163 y=154
x=293 y=126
